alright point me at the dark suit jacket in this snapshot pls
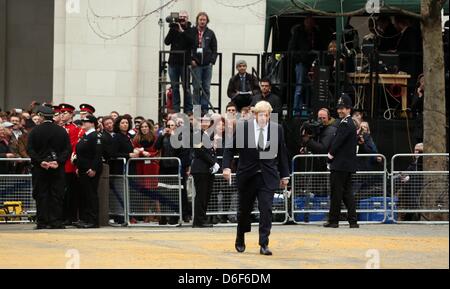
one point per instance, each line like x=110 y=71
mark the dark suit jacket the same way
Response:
x=343 y=147
x=204 y=158
x=251 y=84
x=271 y=98
x=250 y=161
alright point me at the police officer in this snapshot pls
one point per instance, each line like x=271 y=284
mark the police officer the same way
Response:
x=88 y=159
x=72 y=196
x=342 y=160
x=49 y=148
x=203 y=168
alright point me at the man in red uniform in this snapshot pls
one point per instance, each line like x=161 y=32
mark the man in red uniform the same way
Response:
x=72 y=201
x=85 y=110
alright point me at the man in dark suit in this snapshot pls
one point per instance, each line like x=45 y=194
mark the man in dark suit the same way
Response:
x=267 y=95
x=242 y=86
x=342 y=161
x=49 y=149
x=263 y=168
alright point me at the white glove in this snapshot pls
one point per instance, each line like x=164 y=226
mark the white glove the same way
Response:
x=215 y=168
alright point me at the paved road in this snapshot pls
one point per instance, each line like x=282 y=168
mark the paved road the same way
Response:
x=395 y=246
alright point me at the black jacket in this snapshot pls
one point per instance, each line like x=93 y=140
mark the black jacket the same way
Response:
x=5 y=166
x=234 y=85
x=209 y=45
x=108 y=145
x=274 y=101
x=389 y=39
x=323 y=143
x=168 y=151
x=250 y=161
x=49 y=142
x=179 y=41
x=203 y=158
x=122 y=146
x=89 y=153
x=343 y=147
x=302 y=43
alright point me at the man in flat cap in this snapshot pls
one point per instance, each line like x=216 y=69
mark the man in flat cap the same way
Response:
x=342 y=161
x=49 y=148
x=242 y=86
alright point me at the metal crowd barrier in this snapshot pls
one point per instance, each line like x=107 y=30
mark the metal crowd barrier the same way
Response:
x=150 y=195
x=224 y=201
x=16 y=191
x=311 y=190
x=117 y=191
x=421 y=196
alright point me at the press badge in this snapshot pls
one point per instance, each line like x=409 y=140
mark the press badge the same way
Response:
x=200 y=50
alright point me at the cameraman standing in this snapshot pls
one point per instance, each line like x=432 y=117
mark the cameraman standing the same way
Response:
x=178 y=40
x=319 y=144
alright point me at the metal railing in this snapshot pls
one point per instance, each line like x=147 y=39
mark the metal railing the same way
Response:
x=421 y=196
x=152 y=195
x=16 y=191
x=311 y=190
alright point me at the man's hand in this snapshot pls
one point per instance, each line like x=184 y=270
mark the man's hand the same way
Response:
x=284 y=183
x=227 y=174
x=45 y=165
x=91 y=173
x=54 y=165
x=10 y=156
x=330 y=157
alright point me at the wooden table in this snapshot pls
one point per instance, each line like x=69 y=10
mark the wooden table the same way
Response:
x=396 y=79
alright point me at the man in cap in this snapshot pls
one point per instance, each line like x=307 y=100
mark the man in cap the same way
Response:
x=342 y=161
x=72 y=198
x=49 y=148
x=242 y=86
x=85 y=110
x=88 y=159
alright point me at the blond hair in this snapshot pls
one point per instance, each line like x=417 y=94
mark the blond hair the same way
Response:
x=262 y=106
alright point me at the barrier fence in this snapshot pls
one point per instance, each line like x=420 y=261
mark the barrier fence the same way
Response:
x=141 y=196
x=16 y=198
x=311 y=189
x=421 y=193
x=150 y=194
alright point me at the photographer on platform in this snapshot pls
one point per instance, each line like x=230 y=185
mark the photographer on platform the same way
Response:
x=178 y=40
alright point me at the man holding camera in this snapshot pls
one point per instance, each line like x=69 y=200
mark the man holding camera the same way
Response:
x=343 y=161
x=178 y=40
x=317 y=136
x=49 y=148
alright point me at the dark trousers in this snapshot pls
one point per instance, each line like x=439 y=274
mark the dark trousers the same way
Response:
x=248 y=191
x=90 y=205
x=341 y=190
x=203 y=187
x=48 y=191
x=72 y=198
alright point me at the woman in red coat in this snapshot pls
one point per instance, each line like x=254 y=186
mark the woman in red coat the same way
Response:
x=144 y=146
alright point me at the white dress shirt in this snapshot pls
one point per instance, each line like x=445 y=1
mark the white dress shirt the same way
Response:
x=257 y=131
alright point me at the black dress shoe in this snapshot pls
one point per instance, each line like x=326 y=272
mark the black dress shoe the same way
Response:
x=331 y=225
x=41 y=227
x=202 y=225
x=354 y=226
x=265 y=251
x=240 y=244
x=89 y=226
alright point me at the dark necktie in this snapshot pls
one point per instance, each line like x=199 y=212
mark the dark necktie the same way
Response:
x=261 y=139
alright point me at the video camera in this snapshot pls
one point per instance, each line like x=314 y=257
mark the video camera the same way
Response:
x=173 y=19
x=311 y=127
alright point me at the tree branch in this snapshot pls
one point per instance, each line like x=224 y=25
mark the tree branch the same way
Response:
x=386 y=8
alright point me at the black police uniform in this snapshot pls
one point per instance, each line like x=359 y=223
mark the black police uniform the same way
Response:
x=342 y=166
x=48 y=142
x=204 y=158
x=89 y=153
